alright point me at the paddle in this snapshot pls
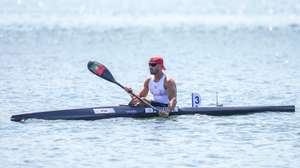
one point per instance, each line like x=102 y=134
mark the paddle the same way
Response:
x=101 y=71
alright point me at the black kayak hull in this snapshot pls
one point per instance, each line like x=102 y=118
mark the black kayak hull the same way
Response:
x=141 y=112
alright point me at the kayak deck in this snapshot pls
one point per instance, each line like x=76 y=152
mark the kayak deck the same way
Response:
x=142 y=112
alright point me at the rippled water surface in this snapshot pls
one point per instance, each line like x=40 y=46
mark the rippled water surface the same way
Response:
x=246 y=52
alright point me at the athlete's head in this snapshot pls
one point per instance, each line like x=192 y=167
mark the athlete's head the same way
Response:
x=156 y=64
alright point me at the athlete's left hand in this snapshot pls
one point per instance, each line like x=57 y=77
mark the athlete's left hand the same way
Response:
x=163 y=114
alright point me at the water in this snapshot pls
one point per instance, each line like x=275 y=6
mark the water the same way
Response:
x=245 y=50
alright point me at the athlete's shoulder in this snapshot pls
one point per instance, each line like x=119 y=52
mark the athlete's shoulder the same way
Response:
x=146 y=83
x=148 y=79
x=170 y=80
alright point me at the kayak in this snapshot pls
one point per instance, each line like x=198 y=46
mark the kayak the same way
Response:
x=96 y=113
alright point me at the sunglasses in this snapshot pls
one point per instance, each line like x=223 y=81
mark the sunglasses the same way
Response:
x=152 y=64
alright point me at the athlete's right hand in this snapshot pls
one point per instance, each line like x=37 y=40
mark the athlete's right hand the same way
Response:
x=128 y=89
x=134 y=101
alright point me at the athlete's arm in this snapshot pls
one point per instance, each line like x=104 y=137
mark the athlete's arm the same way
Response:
x=142 y=94
x=170 y=85
x=172 y=94
x=145 y=90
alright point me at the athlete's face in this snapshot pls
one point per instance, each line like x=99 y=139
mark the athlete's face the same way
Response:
x=154 y=68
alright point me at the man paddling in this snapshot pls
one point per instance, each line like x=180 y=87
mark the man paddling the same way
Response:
x=160 y=86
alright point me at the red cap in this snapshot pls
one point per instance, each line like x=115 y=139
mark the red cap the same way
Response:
x=158 y=60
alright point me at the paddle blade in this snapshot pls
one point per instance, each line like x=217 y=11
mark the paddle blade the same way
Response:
x=100 y=70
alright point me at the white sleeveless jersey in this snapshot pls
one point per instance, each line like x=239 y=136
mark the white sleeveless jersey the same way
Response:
x=158 y=90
